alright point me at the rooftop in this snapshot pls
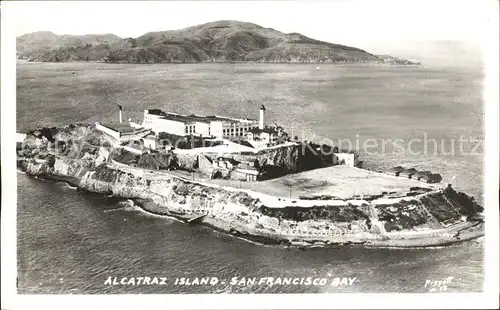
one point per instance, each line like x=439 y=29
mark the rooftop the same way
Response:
x=151 y=138
x=396 y=169
x=266 y=130
x=228 y=119
x=228 y=159
x=196 y=118
x=408 y=172
x=133 y=146
x=121 y=127
x=422 y=173
x=183 y=118
x=432 y=176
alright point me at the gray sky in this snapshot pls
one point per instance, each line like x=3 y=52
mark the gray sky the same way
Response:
x=377 y=26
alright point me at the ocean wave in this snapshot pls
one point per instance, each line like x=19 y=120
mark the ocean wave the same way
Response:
x=67 y=185
x=228 y=289
x=131 y=205
x=423 y=247
x=250 y=241
x=126 y=205
x=41 y=179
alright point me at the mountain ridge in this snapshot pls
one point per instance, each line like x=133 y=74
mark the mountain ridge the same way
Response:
x=218 y=41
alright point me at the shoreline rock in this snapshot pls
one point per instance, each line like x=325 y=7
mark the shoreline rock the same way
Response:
x=245 y=227
x=432 y=218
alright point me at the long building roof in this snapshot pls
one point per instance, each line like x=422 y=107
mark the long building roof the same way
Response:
x=184 y=118
x=121 y=127
x=195 y=118
x=422 y=173
x=270 y=130
x=396 y=169
x=407 y=172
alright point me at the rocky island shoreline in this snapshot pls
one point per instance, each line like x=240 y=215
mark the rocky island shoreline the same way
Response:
x=421 y=216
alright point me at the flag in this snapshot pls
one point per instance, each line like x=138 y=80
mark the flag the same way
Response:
x=119 y=107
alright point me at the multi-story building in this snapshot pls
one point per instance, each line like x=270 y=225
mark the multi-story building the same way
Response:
x=216 y=126
x=268 y=135
x=176 y=124
x=231 y=128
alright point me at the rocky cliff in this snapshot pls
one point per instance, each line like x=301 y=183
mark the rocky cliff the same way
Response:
x=283 y=160
x=431 y=218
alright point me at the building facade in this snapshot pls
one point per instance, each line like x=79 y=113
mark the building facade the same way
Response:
x=347 y=159
x=267 y=135
x=215 y=126
x=151 y=142
x=122 y=133
x=159 y=121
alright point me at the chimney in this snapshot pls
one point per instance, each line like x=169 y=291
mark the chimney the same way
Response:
x=261 y=118
x=120 y=113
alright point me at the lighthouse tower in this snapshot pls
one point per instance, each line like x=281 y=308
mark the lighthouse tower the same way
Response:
x=261 y=118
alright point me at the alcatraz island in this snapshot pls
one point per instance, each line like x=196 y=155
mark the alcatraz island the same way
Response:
x=246 y=178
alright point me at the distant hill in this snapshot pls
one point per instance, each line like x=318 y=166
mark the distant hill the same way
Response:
x=219 y=41
x=47 y=46
x=434 y=52
x=396 y=61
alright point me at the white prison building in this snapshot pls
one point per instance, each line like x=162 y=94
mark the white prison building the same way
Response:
x=220 y=127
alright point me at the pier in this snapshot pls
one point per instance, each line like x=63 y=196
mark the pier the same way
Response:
x=196 y=219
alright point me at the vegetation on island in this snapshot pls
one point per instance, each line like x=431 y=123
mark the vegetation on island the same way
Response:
x=219 y=41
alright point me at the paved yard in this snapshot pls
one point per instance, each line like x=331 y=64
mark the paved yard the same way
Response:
x=340 y=181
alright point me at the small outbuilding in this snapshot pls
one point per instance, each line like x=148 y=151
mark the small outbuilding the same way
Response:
x=249 y=175
x=225 y=162
x=420 y=174
x=408 y=173
x=395 y=170
x=432 y=178
x=151 y=142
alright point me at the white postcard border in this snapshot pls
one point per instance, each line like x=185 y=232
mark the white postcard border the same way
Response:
x=11 y=300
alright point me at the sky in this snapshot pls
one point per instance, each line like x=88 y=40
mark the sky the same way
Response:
x=378 y=26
